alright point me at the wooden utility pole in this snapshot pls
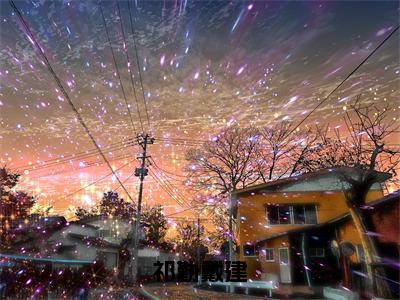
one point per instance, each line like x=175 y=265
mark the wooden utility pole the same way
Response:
x=198 y=241
x=141 y=172
x=230 y=240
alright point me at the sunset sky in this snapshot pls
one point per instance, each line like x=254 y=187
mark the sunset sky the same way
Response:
x=204 y=65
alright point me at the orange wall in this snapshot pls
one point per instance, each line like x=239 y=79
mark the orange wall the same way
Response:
x=386 y=222
x=347 y=232
x=253 y=225
x=273 y=267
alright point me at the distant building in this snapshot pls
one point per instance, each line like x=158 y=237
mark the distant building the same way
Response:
x=89 y=239
x=286 y=228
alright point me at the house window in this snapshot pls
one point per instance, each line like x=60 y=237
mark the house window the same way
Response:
x=249 y=250
x=269 y=254
x=104 y=233
x=292 y=214
x=317 y=252
x=278 y=214
x=310 y=214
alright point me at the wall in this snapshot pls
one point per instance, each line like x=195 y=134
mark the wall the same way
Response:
x=253 y=226
x=272 y=268
x=82 y=251
x=386 y=220
x=253 y=219
x=119 y=228
x=347 y=232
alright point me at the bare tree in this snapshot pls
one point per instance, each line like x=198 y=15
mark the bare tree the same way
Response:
x=224 y=165
x=276 y=145
x=365 y=150
x=282 y=150
x=187 y=241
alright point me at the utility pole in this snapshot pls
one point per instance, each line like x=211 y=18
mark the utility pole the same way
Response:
x=230 y=240
x=198 y=248
x=141 y=172
x=198 y=241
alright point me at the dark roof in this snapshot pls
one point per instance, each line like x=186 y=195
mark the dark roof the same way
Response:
x=35 y=230
x=86 y=220
x=96 y=241
x=392 y=197
x=276 y=184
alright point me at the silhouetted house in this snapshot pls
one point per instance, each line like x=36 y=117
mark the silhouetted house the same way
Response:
x=94 y=238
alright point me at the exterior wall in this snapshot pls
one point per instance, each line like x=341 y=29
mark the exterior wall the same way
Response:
x=253 y=224
x=347 y=232
x=387 y=224
x=271 y=269
x=118 y=228
x=81 y=250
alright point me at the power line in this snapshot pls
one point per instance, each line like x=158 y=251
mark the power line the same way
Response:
x=78 y=155
x=125 y=180
x=180 y=143
x=60 y=162
x=138 y=63
x=343 y=81
x=170 y=185
x=164 y=171
x=184 y=210
x=129 y=65
x=165 y=188
x=116 y=67
x=54 y=163
x=179 y=212
x=58 y=81
x=181 y=140
x=92 y=164
x=95 y=182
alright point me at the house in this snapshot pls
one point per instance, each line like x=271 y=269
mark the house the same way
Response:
x=285 y=228
x=53 y=239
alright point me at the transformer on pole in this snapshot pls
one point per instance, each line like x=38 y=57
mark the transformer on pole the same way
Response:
x=141 y=172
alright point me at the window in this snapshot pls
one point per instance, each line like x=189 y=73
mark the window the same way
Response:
x=278 y=214
x=104 y=232
x=248 y=250
x=292 y=214
x=269 y=254
x=273 y=214
x=299 y=214
x=310 y=214
x=284 y=214
x=317 y=252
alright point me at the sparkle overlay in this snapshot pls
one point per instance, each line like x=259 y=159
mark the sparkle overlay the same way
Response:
x=204 y=65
